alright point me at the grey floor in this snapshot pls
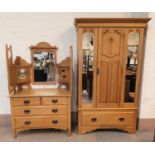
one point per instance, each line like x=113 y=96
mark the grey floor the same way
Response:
x=50 y=135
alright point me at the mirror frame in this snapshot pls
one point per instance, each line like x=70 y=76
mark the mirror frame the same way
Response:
x=43 y=46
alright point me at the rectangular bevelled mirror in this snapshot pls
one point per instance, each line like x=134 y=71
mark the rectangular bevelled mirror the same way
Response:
x=44 y=63
x=131 y=67
x=87 y=67
x=44 y=66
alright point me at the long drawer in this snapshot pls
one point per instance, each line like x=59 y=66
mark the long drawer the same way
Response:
x=40 y=110
x=26 y=101
x=40 y=122
x=54 y=100
x=107 y=118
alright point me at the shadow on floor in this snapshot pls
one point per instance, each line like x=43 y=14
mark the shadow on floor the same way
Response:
x=52 y=135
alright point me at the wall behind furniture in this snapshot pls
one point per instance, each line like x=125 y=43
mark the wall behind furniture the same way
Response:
x=25 y=29
x=147 y=109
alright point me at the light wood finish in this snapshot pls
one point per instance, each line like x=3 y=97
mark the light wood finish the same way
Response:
x=40 y=122
x=45 y=92
x=26 y=101
x=16 y=82
x=110 y=56
x=22 y=64
x=65 y=71
x=38 y=108
x=43 y=47
x=54 y=100
x=107 y=118
x=108 y=108
x=80 y=61
x=41 y=107
x=71 y=69
x=114 y=21
x=111 y=22
x=69 y=116
x=10 y=69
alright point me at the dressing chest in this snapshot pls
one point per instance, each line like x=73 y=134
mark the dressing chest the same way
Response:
x=39 y=108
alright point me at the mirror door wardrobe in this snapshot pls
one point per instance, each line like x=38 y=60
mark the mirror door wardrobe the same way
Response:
x=109 y=72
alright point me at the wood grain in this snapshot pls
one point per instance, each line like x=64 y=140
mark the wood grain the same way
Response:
x=110 y=51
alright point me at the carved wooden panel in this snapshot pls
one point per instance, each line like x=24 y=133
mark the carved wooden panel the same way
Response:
x=109 y=64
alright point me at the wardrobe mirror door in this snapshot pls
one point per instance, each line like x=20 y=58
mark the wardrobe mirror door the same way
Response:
x=87 y=67
x=131 y=67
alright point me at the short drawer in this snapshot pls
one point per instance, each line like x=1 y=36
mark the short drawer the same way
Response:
x=40 y=122
x=26 y=101
x=54 y=100
x=64 y=77
x=107 y=118
x=40 y=110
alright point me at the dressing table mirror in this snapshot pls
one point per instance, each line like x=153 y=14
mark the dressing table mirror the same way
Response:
x=43 y=57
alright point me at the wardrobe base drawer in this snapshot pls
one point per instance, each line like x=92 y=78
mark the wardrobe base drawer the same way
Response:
x=40 y=121
x=108 y=118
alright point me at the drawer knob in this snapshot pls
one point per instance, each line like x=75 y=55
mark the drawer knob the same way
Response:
x=121 y=119
x=94 y=119
x=64 y=76
x=55 y=110
x=54 y=100
x=55 y=121
x=27 y=122
x=27 y=111
x=26 y=102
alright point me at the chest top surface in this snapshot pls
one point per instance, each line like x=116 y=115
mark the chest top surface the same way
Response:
x=42 y=92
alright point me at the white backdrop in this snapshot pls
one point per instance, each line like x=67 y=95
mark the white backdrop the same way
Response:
x=22 y=30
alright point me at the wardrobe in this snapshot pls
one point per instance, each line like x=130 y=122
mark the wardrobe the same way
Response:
x=110 y=56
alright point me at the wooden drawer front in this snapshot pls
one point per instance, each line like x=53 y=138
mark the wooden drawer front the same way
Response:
x=54 y=100
x=26 y=101
x=40 y=110
x=40 y=122
x=64 y=70
x=64 y=77
x=107 y=118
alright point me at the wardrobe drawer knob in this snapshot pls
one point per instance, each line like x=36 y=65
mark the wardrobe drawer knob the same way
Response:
x=55 y=110
x=26 y=102
x=55 y=121
x=27 y=111
x=94 y=119
x=27 y=122
x=121 y=119
x=54 y=100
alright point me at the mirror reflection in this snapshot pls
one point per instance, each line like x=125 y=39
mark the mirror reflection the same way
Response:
x=131 y=67
x=44 y=66
x=22 y=73
x=87 y=67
